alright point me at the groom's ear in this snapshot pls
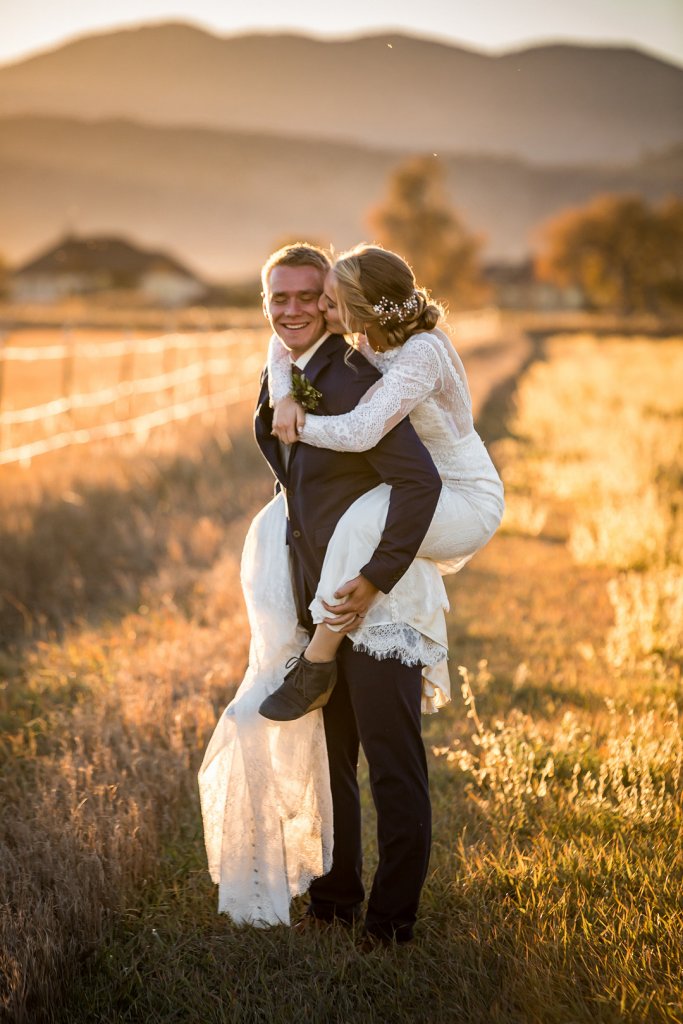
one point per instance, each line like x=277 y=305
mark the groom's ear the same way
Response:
x=264 y=305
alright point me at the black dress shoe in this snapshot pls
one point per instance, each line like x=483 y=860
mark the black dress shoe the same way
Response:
x=307 y=686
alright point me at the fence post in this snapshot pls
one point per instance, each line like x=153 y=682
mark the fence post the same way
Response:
x=68 y=372
x=207 y=389
x=126 y=370
x=169 y=362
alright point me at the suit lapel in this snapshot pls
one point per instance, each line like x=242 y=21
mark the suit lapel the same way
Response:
x=321 y=358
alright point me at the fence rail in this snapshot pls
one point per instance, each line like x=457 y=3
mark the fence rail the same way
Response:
x=117 y=349
x=120 y=428
x=124 y=389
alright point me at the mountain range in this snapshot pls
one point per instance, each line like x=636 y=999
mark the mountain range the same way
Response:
x=220 y=147
x=559 y=103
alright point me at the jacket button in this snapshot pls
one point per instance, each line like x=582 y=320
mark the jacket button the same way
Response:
x=296 y=533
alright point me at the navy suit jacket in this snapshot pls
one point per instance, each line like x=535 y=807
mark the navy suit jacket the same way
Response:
x=320 y=484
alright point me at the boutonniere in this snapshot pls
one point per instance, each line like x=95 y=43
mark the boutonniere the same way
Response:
x=304 y=393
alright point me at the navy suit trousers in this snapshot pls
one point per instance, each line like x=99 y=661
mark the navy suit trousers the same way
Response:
x=377 y=704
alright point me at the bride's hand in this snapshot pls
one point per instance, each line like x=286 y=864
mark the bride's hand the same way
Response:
x=288 y=420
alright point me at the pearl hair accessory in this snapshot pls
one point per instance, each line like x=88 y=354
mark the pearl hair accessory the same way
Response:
x=387 y=310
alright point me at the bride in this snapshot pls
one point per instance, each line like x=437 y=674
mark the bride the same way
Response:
x=264 y=785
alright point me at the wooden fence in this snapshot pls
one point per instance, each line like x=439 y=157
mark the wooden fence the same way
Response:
x=223 y=369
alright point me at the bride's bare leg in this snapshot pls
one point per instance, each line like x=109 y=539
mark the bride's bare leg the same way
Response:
x=324 y=644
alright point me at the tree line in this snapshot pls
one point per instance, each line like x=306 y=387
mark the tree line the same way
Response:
x=621 y=252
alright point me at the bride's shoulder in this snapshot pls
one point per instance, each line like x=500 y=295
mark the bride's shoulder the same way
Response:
x=423 y=345
x=436 y=340
x=434 y=337
x=425 y=339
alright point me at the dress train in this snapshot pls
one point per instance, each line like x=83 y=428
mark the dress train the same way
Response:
x=264 y=786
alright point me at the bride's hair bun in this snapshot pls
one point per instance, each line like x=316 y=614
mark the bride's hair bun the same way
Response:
x=376 y=287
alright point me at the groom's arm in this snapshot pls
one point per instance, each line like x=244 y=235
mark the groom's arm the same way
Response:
x=402 y=461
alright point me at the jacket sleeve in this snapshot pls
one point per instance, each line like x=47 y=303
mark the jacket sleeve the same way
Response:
x=402 y=461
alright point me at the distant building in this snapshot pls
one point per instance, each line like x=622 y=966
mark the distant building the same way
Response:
x=95 y=264
x=515 y=286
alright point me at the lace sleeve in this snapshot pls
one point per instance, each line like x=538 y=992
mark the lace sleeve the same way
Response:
x=413 y=374
x=279 y=370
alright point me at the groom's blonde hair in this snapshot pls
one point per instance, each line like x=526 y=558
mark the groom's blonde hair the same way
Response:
x=299 y=254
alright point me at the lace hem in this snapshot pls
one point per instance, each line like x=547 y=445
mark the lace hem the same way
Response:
x=400 y=641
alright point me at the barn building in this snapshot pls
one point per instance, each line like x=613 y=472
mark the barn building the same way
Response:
x=102 y=263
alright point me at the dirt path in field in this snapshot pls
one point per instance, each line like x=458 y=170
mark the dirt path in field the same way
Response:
x=493 y=369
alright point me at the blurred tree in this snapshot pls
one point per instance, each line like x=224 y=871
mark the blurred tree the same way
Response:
x=670 y=254
x=4 y=276
x=622 y=253
x=417 y=221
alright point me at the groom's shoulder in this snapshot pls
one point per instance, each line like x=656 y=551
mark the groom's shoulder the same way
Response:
x=349 y=360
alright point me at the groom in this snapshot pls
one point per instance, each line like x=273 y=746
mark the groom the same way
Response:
x=376 y=703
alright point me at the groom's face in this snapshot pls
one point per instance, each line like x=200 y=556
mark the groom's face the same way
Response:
x=291 y=305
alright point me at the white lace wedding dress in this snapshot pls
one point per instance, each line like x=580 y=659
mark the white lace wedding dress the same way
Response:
x=264 y=786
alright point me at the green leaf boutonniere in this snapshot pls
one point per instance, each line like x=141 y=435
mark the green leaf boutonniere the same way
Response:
x=304 y=393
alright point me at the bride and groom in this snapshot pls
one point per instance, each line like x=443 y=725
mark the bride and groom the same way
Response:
x=367 y=499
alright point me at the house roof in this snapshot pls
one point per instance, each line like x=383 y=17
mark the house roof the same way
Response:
x=102 y=253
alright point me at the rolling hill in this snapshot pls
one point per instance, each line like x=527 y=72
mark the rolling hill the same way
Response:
x=223 y=199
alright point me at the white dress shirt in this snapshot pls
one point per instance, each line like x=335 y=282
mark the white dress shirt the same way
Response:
x=305 y=357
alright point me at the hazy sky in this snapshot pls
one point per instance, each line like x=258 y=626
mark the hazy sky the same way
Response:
x=655 y=25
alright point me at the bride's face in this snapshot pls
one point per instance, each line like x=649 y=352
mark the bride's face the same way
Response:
x=327 y=304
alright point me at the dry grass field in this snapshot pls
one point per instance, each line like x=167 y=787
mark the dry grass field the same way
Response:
x=554 y=892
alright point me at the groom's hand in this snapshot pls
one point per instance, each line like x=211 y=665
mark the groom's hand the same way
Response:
x=288 y=420
x=359 y=593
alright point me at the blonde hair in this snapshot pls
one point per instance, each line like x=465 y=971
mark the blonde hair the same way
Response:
x=375 y=287
x=299 y=254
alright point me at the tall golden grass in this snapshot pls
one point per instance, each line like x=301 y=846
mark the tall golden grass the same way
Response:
x=101 y=729
x=599 y=427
